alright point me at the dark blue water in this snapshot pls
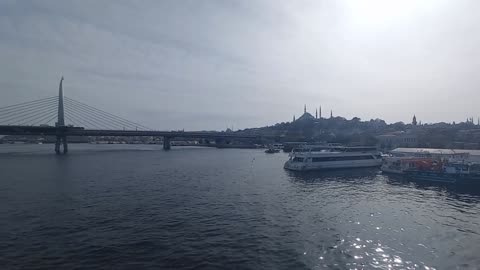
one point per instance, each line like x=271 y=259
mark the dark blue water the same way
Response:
x=138 y=207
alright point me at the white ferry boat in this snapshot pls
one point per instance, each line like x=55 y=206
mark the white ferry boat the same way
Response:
x=315 y=158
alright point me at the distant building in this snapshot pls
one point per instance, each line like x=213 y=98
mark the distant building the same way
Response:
x=467 y=139
x=397 y=139
x=414 y=121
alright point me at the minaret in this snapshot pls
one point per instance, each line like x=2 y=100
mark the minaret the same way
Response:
x=331 y=113
x=414 y=121
x=316 y=114
x=320 y=112
x=293 y=118
x=305 y=108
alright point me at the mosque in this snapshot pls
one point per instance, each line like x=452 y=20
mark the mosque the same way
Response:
x=307 y=116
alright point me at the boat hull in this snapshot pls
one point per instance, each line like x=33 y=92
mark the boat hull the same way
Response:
x=296 y=166
x=442 y=177
x=386 y=169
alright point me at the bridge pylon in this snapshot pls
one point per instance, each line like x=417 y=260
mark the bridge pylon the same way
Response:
x=60 y=125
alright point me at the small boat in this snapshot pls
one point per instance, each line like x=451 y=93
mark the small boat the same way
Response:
x=274 y=148
x=333 y=157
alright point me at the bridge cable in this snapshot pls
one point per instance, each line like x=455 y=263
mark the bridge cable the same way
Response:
x=24 y=111
x=86 y=124
x=37 y=116
x=91 y=122
x=6 y=108
x=84 y=114
x=53 y=117
x=25 y=107
x=42 y=120
x=69 y=120
x=13 y=114
x=100 y=113
x=109 y=114
x=88 y=113
x=26 y=114
x=100 y=118
x=81 y=122
x=20 y=111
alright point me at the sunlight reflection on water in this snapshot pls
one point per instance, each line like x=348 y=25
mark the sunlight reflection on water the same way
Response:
x=224 y=209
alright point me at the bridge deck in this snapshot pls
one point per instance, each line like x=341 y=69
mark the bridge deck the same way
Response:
x=76 y=131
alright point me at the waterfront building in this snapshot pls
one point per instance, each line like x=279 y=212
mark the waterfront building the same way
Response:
x=397 y=139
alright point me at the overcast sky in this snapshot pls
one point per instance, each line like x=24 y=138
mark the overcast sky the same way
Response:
x=217 y=64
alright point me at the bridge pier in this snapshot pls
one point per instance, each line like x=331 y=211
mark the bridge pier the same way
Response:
x=61 y=140
x=166 y=143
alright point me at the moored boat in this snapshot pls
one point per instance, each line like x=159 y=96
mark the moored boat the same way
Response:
x=398 y=165
x=274 y=148
x=321 y=158
x=402 y=159
x=451 y=172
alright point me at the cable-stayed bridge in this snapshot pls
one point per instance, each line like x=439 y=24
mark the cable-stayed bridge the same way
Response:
x=61 y=116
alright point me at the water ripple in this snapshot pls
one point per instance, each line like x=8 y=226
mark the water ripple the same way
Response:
x=218 y=209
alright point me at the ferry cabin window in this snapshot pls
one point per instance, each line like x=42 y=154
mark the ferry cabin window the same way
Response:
x=298 y=159
x=323 y=159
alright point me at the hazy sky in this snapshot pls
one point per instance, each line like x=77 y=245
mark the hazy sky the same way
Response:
x=216 y=64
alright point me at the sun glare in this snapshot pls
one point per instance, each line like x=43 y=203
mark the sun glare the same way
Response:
x=367 y=13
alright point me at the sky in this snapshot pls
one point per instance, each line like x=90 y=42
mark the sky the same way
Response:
x=217 y=64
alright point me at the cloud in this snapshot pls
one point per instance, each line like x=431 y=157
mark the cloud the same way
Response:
x=211 y=64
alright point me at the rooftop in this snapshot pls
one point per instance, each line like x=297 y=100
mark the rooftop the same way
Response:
x=437 y=151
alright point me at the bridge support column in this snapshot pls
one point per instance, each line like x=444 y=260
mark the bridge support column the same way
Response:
x=166 y=143
x=65 y=144
x=57 y=145
x=61 y=140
